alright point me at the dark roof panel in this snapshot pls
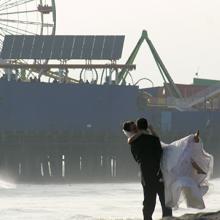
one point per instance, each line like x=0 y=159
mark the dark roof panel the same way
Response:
x=98 y=47
x=67 y=47
x=118 y=47
x=6 y=48
x=62 y=47
x=17 y=47
x=27 y=47
x=57 y=47
x=37 y=48
x=87 y=47
x=77 y=47
x=107 y=47
x=47 y=47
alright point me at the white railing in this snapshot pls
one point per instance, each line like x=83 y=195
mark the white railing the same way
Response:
x=202 y=96
x=188 y=103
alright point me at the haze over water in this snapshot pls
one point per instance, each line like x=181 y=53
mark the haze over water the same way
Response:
x=85 y=201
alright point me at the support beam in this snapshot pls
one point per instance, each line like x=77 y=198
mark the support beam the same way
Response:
x=67 y=66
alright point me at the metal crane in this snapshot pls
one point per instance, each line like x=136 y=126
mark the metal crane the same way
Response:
x=169 y=83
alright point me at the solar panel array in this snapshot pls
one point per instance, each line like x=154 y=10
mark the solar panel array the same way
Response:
x=95 y=47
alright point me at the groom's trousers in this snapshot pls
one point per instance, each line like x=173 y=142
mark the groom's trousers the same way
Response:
x=153 y=187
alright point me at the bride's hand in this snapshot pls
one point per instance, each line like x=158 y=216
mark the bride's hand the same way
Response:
x=196 y=137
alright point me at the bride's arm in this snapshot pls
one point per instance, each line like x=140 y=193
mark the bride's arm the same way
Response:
x=134 y=137
x=194 y=164
x=197 y=168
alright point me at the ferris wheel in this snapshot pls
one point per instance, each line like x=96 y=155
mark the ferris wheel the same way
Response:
x=27 y=17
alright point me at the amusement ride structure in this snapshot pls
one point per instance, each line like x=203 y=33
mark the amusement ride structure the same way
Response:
x=26 y=17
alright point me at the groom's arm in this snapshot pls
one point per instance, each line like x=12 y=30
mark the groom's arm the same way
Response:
x=136 y=150
x=158 y=149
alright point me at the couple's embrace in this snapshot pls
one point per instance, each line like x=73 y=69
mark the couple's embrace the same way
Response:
x=169 y=170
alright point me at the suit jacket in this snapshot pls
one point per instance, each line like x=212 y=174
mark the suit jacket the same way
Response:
x=147 y=151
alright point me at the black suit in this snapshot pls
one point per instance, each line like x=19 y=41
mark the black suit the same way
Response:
x=147 y=151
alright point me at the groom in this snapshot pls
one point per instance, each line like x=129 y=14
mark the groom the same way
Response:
x=147 y=151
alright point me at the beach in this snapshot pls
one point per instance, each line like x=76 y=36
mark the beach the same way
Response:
x=96 y=201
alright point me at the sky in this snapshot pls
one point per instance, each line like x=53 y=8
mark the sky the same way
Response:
x=185 y=33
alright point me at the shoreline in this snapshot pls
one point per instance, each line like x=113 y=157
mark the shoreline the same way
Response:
x=197 y=216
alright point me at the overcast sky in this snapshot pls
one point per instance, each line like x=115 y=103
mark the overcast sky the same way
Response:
x=185 y=33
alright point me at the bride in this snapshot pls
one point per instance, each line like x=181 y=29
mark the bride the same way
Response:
x=186 y=169
x=185 y=165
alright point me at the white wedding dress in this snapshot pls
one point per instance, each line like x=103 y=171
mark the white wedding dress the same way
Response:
x=180 y=177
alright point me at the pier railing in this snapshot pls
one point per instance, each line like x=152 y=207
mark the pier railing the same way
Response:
x=183 y=104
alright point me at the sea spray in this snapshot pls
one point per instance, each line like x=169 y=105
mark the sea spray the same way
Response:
x=6 y=182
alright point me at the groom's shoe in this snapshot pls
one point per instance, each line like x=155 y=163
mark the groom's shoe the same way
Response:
x=167 y=212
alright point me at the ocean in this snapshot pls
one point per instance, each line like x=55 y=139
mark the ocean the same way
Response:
x=103 y=201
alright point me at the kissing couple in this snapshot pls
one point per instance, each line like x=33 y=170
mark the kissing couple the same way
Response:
x=169 y=170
